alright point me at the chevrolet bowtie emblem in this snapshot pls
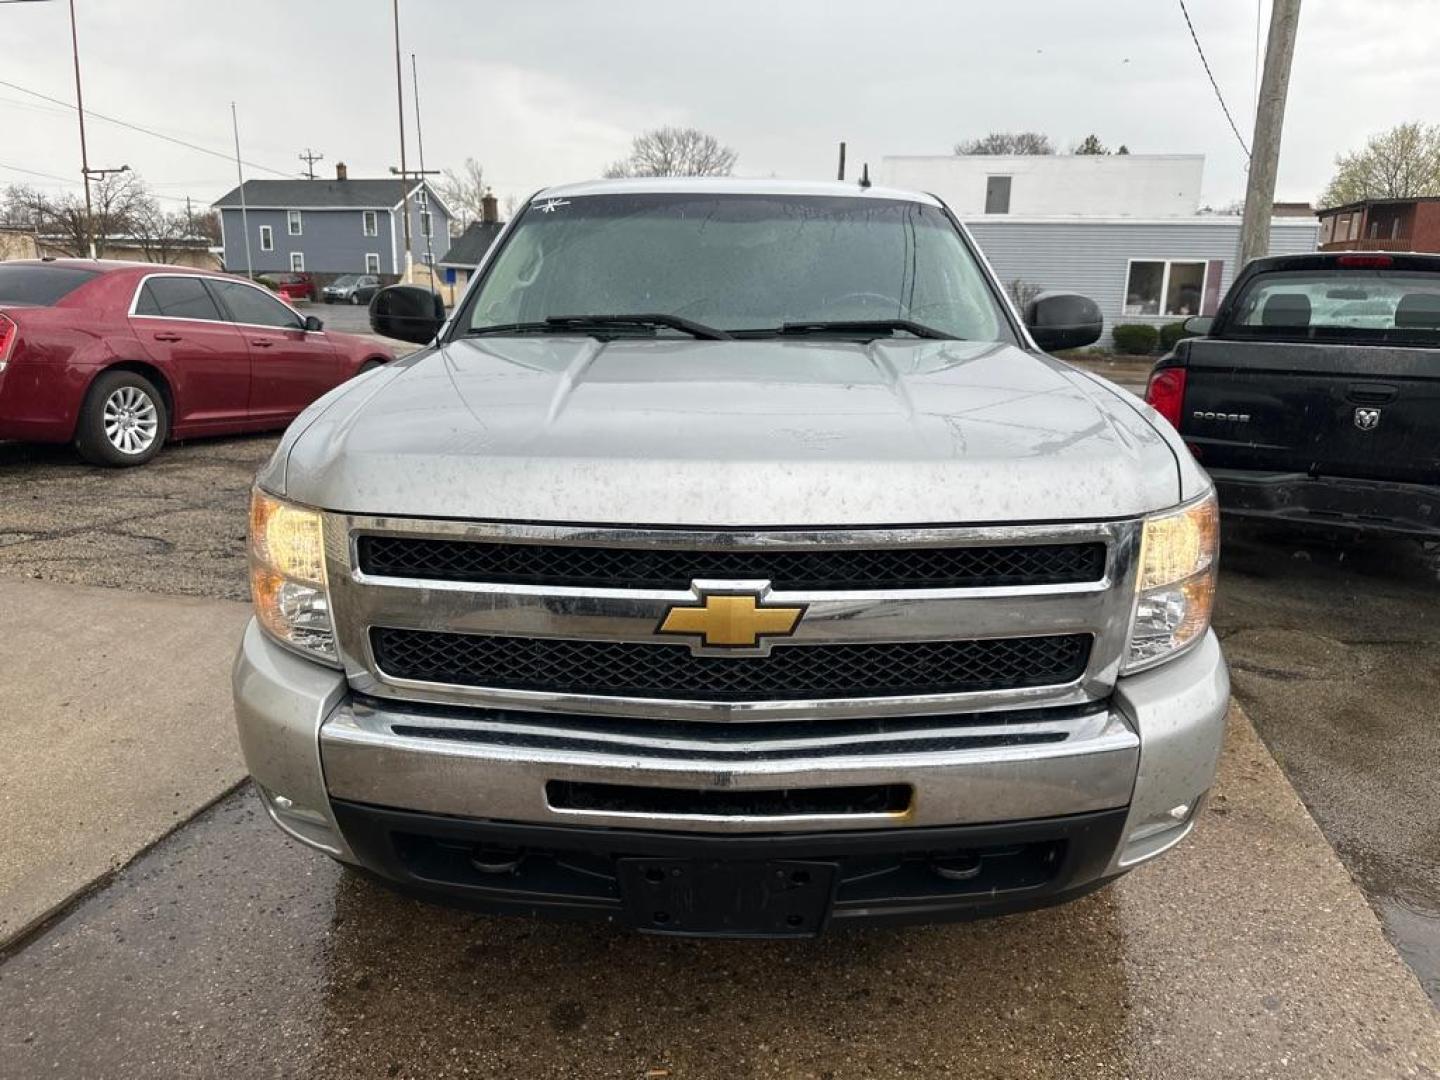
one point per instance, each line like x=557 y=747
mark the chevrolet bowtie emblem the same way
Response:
x=735 y=621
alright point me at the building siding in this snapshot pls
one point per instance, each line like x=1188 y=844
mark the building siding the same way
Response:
x=1092 y=257
x=333 y=241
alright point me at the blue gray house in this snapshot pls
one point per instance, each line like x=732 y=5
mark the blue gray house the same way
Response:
x=339 y=226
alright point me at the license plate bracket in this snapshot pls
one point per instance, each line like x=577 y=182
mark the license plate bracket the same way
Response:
x=713 y=898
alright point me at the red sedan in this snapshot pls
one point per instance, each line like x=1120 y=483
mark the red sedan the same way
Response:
x=118 y=357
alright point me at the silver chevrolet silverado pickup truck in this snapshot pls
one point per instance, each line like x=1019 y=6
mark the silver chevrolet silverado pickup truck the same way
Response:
x=733 y=561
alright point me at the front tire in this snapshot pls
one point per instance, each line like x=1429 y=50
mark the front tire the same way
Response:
x=355 y=299
x=123 y=422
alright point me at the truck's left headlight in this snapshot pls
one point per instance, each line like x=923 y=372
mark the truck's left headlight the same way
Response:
x=287 y=575
x=1175 y=588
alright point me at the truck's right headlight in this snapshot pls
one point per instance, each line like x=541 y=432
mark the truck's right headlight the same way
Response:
x=287 y=575
x=1175 y=589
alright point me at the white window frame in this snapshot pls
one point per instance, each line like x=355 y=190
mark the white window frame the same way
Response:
x=294 y=223
x=369 y=223
x=1164 y=285
x=427 y=224
x=267 y=238
x=422 y=198
x=297 y=257
x=375 y=256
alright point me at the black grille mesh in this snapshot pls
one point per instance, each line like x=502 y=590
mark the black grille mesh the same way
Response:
x=646 y=670
x=793 y=569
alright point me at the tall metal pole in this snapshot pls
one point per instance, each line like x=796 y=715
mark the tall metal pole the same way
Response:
x=404 y=173
x=841 y=174
x=240 y=176
x=420 y=145
x=1269 y=120
x=84 y=156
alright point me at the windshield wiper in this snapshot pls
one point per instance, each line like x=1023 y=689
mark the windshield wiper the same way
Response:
x=586 y=324
x=872 y=327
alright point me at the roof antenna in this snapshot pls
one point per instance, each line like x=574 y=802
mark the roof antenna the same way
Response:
x=865 y=176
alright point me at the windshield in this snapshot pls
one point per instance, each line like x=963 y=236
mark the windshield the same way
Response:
x=737 y=263
x=344 y=281
x=1343 y=302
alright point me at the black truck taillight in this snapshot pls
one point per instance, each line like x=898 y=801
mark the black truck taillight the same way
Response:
x=1166 y=392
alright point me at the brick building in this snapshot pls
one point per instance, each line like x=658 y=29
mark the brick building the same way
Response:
x=1382 y=225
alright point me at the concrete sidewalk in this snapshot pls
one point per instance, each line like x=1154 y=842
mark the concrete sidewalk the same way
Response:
x=116 y=724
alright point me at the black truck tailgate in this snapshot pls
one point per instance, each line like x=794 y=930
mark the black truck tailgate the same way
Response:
x=1326 y=409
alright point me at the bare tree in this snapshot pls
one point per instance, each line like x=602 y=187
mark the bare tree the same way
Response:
x=161 y=234
x=674 y=151
x=1401 y=163
x=62 y=222
x=1007 y=142
x=463 y=191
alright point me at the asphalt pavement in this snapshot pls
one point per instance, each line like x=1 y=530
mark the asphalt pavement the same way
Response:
x=228 y=950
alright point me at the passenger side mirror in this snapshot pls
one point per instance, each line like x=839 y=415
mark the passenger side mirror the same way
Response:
x=312 y=323
x=1060 y=320
x=1199 y=325
x=407 y=312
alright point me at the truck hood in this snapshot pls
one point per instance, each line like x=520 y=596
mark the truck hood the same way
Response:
x=728 y=433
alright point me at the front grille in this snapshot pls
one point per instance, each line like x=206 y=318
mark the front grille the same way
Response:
x=792 y=569
x=789 y=672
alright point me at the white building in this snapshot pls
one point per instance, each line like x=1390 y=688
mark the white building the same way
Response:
x=1124 y=230
x=1055 y=185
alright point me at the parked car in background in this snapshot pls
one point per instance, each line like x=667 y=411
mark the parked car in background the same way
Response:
x=119 y=357
x=351 y=289
x=291 y=287
x=1315 y=396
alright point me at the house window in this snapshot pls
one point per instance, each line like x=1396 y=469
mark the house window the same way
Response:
x=997 y=195
x=297 y=261
x=1162 y=287
x=422 y=198
x=369 y=223
x=267 y=238
x=427 y=225
x=1355 y=226
x=292 y=222
x=1327 y=230
x=372 y=263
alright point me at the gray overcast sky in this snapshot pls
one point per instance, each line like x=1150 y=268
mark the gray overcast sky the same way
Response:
x=552 y=90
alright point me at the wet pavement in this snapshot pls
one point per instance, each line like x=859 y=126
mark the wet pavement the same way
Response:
x=1334 y=650
x=176 y=525
x=228 y=950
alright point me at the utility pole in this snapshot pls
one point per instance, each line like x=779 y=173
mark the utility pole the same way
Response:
x=420 y=146
x=404 y=173
x=85 y=171
x=1269 y=120
x=310 y=157
x=244 y=213
x=841 y=174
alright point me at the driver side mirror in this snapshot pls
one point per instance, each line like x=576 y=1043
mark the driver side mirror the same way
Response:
x=407 y=312
x=1060 y=320
x=312 y=324
x=1199 y=325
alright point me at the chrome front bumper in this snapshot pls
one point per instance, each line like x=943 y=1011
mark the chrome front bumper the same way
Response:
x=1153 y=746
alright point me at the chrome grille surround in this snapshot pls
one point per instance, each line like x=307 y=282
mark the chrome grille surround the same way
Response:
x=1101 y=608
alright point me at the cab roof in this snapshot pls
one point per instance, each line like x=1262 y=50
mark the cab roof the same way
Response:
x=729 y=185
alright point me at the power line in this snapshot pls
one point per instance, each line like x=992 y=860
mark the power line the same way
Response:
x=143 y=130
x=1218 y=96
x=71 y=182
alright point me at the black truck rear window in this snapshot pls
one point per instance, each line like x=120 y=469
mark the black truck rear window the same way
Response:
x=39 y=285
x=1338 y=304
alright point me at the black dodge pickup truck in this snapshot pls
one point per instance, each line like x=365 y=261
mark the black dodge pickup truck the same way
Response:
x=1314 y=396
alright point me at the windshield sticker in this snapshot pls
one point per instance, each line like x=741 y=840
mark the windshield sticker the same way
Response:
x=549 y=206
